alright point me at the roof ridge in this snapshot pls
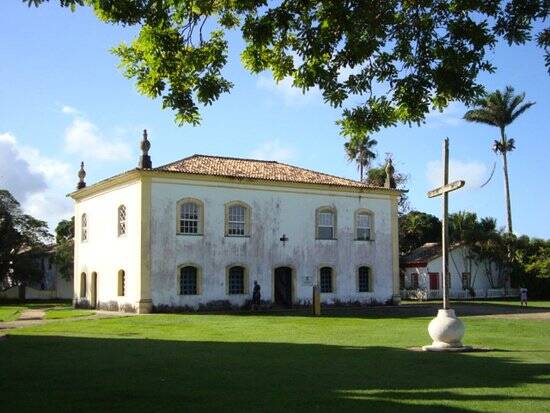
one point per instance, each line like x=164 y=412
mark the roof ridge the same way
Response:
x=234 y=158
x=332 y=176
x=174 y=162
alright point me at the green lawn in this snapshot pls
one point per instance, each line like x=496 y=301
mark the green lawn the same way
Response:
x=10 y=310
x=272 y=363
x=9 y=313
x=514 y=302
x=60 y=313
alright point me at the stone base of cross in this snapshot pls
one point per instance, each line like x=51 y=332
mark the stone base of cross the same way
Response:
x=446 y=330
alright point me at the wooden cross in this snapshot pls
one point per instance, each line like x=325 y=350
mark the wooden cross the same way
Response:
x=283 y=239
x=444 y=191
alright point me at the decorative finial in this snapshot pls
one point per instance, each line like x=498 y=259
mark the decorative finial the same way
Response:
x=390 y=181
x=145 y=159
x=81 y=175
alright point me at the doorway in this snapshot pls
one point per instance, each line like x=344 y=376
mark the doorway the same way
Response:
x=283 y=286
x=93 y=291
x=434 y=280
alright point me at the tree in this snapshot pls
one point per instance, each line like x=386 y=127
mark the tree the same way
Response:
x=500 y=109
x=359 y=149
x=376 y=176
x=64 y=248
x=417 y=228
x=482 y=242
x=22 y=237
x=530 y=264
x=385 y=62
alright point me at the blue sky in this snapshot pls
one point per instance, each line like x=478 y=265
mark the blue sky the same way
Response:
x=63 y=100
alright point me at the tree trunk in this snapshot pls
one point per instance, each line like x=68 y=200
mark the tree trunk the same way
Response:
x=506 y=181
x=361 y=165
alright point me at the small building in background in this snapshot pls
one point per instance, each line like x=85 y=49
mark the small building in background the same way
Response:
x=51 y=285
x=421 y=276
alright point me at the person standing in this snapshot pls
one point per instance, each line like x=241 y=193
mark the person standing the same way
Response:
x=523 y=296
x=256 y=296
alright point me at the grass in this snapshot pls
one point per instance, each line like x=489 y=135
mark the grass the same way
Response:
x=62 y=313
x=272 y=363
x=500 y=302
x=9 y=313
x=511 y=302
x=11 y=309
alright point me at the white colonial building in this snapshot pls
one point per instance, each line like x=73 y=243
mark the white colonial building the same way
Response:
x=422 y=277
x=201 y=230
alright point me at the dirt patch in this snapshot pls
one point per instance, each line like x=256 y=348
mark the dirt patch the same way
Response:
x=521 y=315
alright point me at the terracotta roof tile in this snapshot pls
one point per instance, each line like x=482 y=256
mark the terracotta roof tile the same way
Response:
x=239 y=168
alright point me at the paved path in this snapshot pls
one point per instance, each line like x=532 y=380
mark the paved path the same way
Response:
x=27 y=318
x=30 y=317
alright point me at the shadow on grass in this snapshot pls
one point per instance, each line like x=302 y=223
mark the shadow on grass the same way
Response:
x=405 y=311
x=42 y=373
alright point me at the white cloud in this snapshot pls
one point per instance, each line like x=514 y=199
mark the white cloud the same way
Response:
x=84 y=138
x=69 y=110
x=273 y=150
x=475 y=173
x=38 y=182
x=451 y=116
x=292 y=96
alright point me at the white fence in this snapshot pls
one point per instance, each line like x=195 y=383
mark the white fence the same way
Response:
x=422 y=294
x=30 y=294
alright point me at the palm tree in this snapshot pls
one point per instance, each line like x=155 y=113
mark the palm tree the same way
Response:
x=500 y=109
x=359 y=149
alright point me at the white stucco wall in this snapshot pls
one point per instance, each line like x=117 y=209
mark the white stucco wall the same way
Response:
x=104 y=252
x=274 y=211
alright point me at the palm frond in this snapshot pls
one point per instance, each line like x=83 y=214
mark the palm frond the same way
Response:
x=522 y=109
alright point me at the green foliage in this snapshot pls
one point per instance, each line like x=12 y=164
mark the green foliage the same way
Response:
x=359 y=150
x=417 y=228
x=376 y=176
x=398 y=59
x=530 y=264
x=499 y=109
x=64 y=250
x=23 y=237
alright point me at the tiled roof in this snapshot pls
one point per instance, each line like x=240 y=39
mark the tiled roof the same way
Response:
x=425 y=253
x=255 y=169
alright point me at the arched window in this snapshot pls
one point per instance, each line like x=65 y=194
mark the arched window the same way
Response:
x=121 y=283
x=189 y=280
x=236 y=280
x=364 y=279
x=84 y=227
x=237 y=219
x=190 y=217
x=326 y=223
x=121 y=220
x=326 y=280
x=83 y=285
x=364 y=220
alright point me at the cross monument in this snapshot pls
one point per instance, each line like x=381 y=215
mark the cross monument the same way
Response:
x=446 y=329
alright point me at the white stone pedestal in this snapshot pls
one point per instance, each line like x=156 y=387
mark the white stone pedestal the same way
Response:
x=446 y=331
